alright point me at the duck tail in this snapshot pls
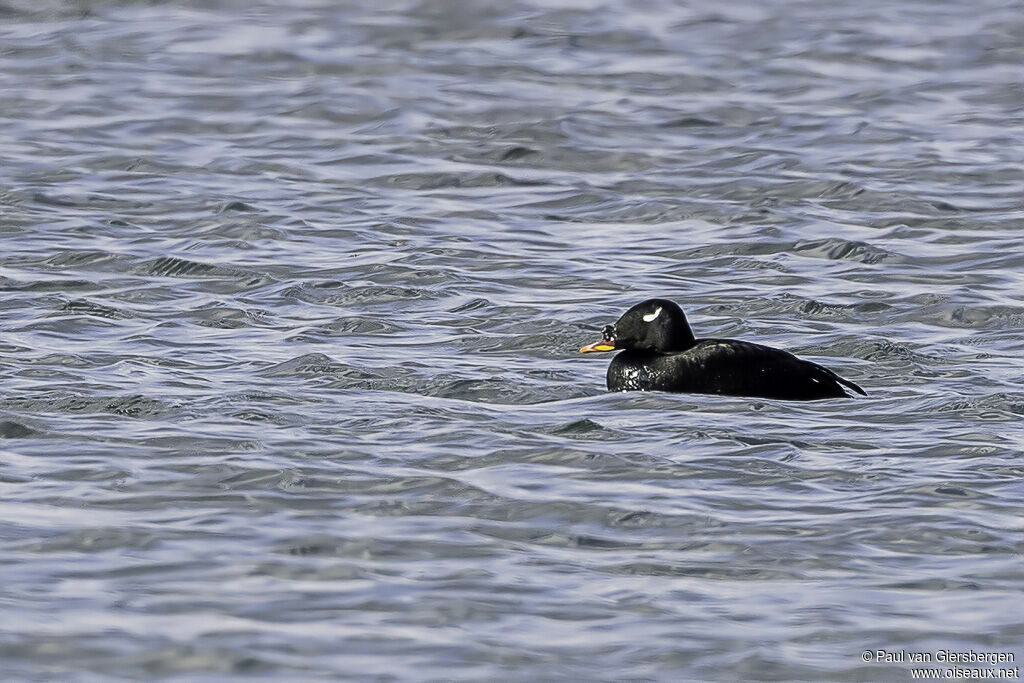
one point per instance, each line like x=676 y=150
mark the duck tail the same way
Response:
x=851 y=385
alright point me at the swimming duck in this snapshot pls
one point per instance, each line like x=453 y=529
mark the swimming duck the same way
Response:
x=660 y=353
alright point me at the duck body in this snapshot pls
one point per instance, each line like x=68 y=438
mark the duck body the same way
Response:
x=727 y=367
x=659 y=353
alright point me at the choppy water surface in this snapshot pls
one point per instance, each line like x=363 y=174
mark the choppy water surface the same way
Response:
x=292 y=298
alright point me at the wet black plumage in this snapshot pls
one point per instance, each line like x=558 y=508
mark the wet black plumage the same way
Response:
x=660 y=353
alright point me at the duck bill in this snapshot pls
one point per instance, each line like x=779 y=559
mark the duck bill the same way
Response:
x=603 y=345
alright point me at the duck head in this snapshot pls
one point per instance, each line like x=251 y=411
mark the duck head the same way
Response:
x=655 y=325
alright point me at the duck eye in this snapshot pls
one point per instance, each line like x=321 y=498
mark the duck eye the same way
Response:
x=649 y=318
x=608 y=332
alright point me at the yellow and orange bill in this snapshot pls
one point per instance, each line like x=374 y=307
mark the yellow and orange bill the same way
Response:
x=603 y=345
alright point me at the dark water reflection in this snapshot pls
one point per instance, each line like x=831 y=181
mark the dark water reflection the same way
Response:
x=291 y=303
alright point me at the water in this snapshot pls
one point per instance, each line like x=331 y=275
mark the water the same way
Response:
x=292 y=298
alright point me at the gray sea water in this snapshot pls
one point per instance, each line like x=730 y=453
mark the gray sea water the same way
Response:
x=292 y=297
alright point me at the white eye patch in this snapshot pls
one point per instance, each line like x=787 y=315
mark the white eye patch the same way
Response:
x=649 y=318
